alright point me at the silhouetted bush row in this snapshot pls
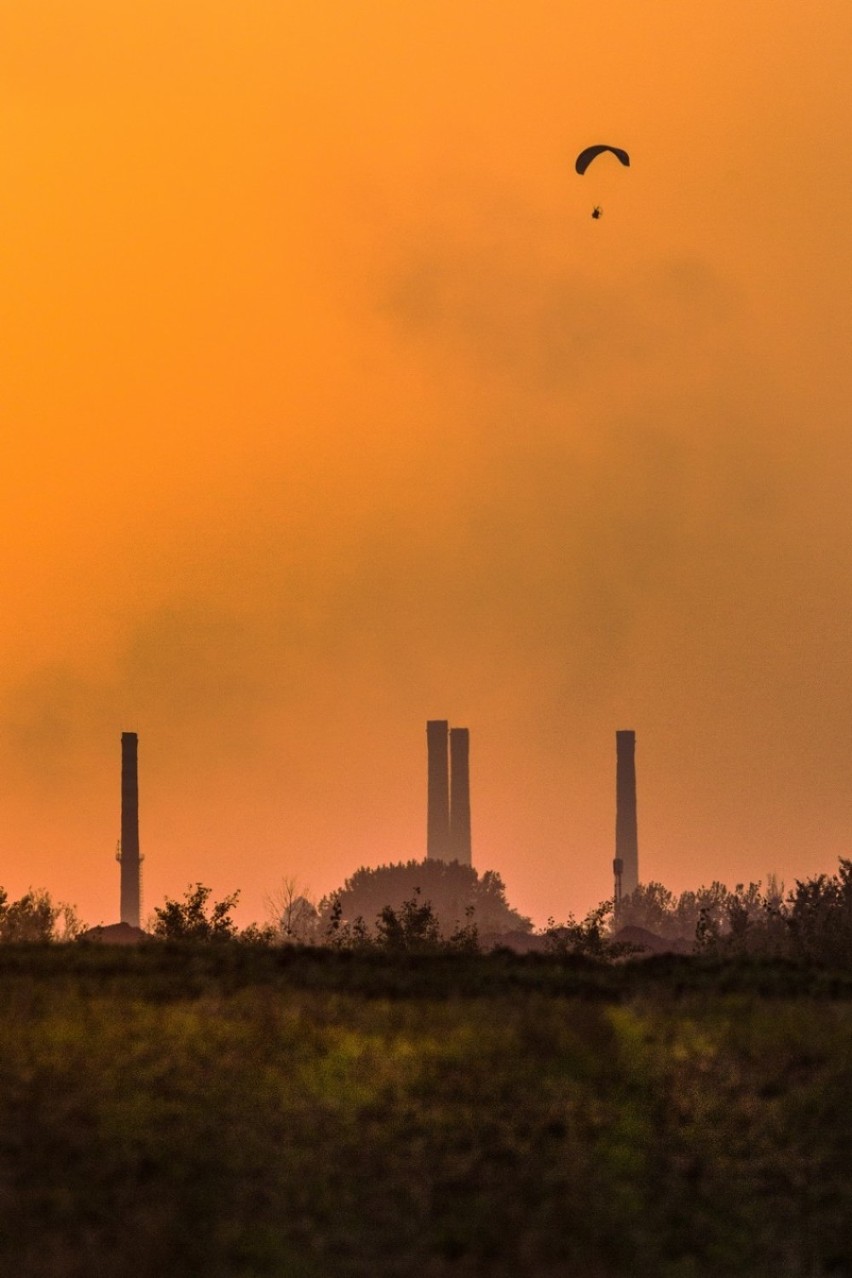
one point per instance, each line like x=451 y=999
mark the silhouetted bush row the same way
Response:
x=432 y=907
x=812 y=921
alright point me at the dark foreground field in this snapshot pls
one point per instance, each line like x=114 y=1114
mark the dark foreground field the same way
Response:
x=236 y=1112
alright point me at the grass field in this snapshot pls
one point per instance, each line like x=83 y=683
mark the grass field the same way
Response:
x=224 y=1111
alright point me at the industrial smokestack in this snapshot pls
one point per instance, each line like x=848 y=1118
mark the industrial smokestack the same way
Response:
x=626 y=864
x=129 y=850
x=460 y=796
x=438 y=799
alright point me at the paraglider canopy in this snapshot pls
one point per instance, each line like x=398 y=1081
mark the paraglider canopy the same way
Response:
x=585 y=158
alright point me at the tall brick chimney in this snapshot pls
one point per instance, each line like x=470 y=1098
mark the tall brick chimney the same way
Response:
x=626 y=864
x=460 y=796
x=438 y=797
x=129 y=851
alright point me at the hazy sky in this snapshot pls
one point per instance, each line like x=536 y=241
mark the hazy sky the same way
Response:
x=327 y=409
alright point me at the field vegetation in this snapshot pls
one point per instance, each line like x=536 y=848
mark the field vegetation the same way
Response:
x=240 y=1109
x=398 y=1099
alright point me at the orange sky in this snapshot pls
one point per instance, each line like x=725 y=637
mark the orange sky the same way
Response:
x=327 y=409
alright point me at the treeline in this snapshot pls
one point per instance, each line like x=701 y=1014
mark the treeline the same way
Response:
x=415 y=906
x=431 y=906
x=811 y=921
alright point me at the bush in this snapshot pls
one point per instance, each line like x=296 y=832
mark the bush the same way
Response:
x=589 y=938
x=192 y=920
x=412 y=929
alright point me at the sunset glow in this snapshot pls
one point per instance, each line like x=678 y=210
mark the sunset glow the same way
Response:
x=328 y=409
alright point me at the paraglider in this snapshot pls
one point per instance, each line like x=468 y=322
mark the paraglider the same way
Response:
x=585 y=157
x=590 y=153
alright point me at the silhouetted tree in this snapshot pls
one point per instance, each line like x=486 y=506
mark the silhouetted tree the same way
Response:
x=818 y=914
x=457 y=895
x=414 y=926
x=191 y=920
x=36 y=917
x=589 y=937
x=295 y=918
x=340 y=933
x=716 y=909
x=710 y=902
x=651 y=906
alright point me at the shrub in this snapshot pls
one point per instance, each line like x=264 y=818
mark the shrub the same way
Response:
x=191 y=920
x=413 y=928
